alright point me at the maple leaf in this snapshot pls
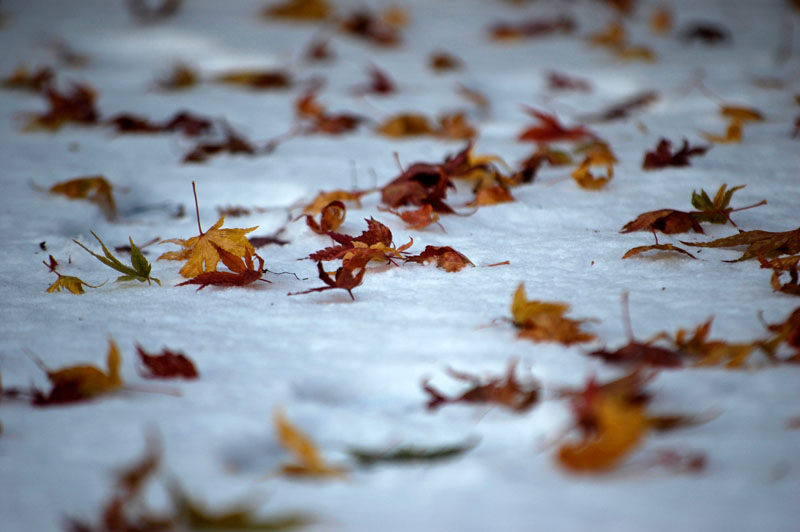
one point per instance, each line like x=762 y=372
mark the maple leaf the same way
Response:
x=441 y=61
x=323 y=199
x=732 y=134
x=639 y=353
x=184 y=122
x=491 y=195
x=34 y=80
x=536 y=27
x=318 y=120
x=446 y=258
x=70 y=283
x=308 y=460
x=299 y=10
x=549 y=129
x=563 y=82
x=373 y=244
x=792 y=286
x=544 y=321
x=365 y=25
x=624 y=108
x=718 y=210
x=256 y=79
x=331 y=217
x=403 y=454
x=655 y=247
x=406 y=125
x=615 y=39
x=139 y=270
x=417 y=218
x=233 y=143
x=661 y=20
x=77 y=383
x=663 y=156
x=200 y=252
x=243 y=271
x=786 y=332
x=711 y=352
x=597 y=154
x=379 y=83
x=759 y=243
x=667 y=221
x=343 y=279
x=166 y=365
x=505 y=391
x=94 y=188
x=76 y=106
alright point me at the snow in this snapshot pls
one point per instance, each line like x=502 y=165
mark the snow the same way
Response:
x=349 y=372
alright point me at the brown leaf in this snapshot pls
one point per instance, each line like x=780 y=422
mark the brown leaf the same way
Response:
x=366 y=25
x=332 y=216
x=419 y=184
x=256 y=79
x=446 y=258
x=661 y=20
x=78 y=383
x=344 y=279
x=662 y=156
x=623 y=109
x=543 y=321
x=491 y=195
x=558 y=81
x=667 y=221
x=792 y=286
x=658 y=247
x=299 y=10
x=641 y=354
x=536 y=27
x=184 y=122
x=75 y=107
x=379 y=83
x=180 y=77
x=95 y=189
x=711 y=352
x=244 y=272
x=505 y=391
x=167 y=365
x=418 y=218
x=706 y=32
x=549 y=129
x=233 y=143
x=323 y=199
x=759 y=243
x=317 y=120
x=33 y=81
x=441 y=61
x=406 y=125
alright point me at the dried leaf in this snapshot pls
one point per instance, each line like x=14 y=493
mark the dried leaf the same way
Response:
x=139 y=270
x=491 y=195
x=166 y=365
x=583 y=175
x=446 y=258
x=70 y=283
x=318 y=120
x=759 y=243
x=641 y=354
x=544 y=321
x=323 y=199
x=706 y=32
x=406 y=125
x=504 y=31
x=180 y=77
x=256 y=79
x=299 y=10
x=33 y=81
x=332 y=216
x=787 y=332
x=200 y=252
x=419 y=184
x=504 y=391
x=667 y=221
x=558 y=81
x=244 y=273
x=308 y=460
x=792 y=286
x=623 y=109
x=95 y=189
x=441 y=61
x=716 y=211
x=344 y=279
x=408 y=454
x=365 y=25
x=657 y=247
x=417 y=219
x=233 y=143
x=711 y=352
x=549 y=129
x=662 y=156
x=78 y=383
x=184 y=122
x=379 y=83
x=75 y=107
x=661 y=20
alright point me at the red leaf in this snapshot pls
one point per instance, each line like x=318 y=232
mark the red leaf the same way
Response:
x=166 y=365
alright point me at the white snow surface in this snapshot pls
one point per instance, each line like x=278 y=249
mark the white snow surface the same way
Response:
x=349 y=372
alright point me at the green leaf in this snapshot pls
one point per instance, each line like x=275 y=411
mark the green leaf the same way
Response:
x=140 y=270
x=716 y=211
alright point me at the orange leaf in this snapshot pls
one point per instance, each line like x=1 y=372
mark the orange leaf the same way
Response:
x=78 y=383
x=308 y=460
x=95 y=189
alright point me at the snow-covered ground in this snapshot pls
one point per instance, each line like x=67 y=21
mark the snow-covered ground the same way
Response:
x=348 y=372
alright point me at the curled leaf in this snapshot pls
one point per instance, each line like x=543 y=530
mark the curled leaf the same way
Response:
x=95 y=189
x=657 y=247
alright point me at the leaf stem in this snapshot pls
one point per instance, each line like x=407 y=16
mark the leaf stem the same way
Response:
x=197 y=208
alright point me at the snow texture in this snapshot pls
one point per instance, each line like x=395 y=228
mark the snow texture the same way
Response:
x=349 y=372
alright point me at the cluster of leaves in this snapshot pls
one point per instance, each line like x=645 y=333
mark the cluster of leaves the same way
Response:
x=672 y=221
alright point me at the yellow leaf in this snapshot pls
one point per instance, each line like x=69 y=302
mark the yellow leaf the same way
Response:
x=741 y=114
x=620 y=426
x=406 y=125
x=199 y=251
x=732 y=134
x=68 y=282
x=308 y=460
x=84 y=382
x=523 y=311
x=543 y=321
x=95 y=189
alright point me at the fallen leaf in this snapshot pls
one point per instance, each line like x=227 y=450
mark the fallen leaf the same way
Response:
x=786 y=332
x=406 y=125
x=655 y=247
x=379 y=83
x=318 y=51
x=200 y=252
x=256 y=79
x=661 y=20
x=792 y=286
x=73 y=107
x=244 y=272
x=70 y=283
x=166 y=365
x=146 y=12
x=549 y=129
x=558 y=81
x=418 y=218
x=623 y=109
x=233 y=143
x=667 y=221
x=505 y=391
x=78 y=383
x=706 y=32
x=446 y=258
x=318 y=120
x=180 y=77
x=536 y=27
x=139 y=270
x=308 y=462
x=323 y=199
x=542 y=321
x=711 y=352
x=419 y=184
x=732 y=134
x=299 y=10
x=491 y=195
x=441 y=61
x=331 y=217
x=95 y=189
x=759 y=243
x=662 y=156
x=409 y=454
x=29 y=80
x=598 y=157
x=365 y=25
x=344 y=279
x=718 y=210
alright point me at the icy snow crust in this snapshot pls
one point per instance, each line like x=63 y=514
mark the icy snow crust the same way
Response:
x=349 y=372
